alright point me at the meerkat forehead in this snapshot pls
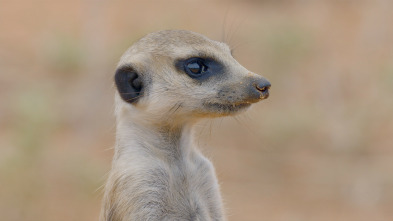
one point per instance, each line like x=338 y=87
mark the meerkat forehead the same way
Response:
x=175 y=44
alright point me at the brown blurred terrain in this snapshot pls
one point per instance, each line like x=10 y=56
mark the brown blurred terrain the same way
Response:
x=320 y=148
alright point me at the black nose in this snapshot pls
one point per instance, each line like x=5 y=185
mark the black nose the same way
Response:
x=263 y=86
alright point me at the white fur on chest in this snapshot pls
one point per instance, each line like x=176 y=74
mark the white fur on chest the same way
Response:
x=160 y=181
x=177 y=190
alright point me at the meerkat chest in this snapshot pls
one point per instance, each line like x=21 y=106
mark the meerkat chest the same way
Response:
x=192 y=191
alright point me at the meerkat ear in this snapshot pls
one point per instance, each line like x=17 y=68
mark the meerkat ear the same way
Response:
x=129 y=84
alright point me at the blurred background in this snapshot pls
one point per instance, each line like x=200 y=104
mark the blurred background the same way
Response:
x=320 y=148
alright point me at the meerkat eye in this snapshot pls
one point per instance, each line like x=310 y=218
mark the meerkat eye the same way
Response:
x=195 y=67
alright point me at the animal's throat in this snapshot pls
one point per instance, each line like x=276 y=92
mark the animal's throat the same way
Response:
x=164 y=141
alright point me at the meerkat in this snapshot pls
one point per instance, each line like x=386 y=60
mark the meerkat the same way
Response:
x=166 y=82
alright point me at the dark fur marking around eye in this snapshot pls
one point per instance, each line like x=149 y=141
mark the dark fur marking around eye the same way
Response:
x=200 y=68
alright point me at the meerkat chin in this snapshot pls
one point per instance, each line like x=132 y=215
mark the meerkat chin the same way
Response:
x=166 y=82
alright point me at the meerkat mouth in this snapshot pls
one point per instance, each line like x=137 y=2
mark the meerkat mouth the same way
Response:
x=227 y=108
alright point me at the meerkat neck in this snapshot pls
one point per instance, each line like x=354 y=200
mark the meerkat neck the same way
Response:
x=165 y=141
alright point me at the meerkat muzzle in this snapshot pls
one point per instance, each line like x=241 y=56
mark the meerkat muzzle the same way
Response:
x=258 y=89
x=263 y=89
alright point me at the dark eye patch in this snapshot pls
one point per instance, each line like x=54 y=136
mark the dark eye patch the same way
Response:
x=199 y=68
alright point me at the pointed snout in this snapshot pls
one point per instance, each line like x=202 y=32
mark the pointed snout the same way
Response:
x=258 y=89
x=262 y=86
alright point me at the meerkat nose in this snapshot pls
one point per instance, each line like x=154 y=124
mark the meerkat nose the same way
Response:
x=263 y=86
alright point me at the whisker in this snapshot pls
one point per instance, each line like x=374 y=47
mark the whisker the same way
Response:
x=174 y=109
x=134 y=98
x=231 y=31
x=223 y=34
x=131 y=93
x=239 y=25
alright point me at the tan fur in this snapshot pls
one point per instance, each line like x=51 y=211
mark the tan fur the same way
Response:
x=158 y=172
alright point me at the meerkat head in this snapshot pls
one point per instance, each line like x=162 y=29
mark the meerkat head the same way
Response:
x=179 y=75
